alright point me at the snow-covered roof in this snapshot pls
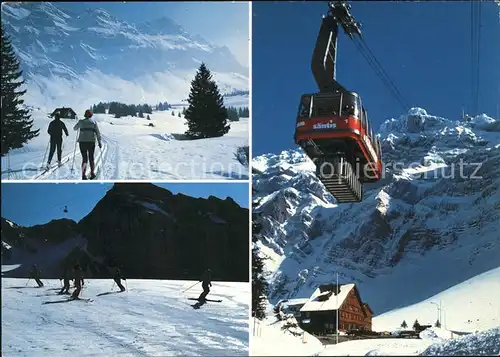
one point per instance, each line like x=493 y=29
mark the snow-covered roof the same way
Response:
x=327 y=300
x=292 y=302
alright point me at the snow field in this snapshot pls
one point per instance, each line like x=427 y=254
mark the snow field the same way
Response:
x=152 y=318
x=134 y=150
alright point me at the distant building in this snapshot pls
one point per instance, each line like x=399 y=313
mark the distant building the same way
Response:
x=290 y=306
x=65 y=113
x=318 y=316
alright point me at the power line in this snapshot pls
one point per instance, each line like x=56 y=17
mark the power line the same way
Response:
x=478 y=66
x=366 y=52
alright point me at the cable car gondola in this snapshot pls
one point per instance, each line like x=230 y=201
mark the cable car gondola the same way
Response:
x=332 y=126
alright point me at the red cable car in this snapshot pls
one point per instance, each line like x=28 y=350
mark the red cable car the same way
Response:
x=332 y=126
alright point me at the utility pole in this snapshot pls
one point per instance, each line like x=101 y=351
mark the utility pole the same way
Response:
x=337 y=314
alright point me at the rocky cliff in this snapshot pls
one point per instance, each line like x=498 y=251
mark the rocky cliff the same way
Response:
x=144 y=229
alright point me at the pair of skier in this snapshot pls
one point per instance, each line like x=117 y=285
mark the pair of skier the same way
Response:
x=88 y=133
x=78 y=281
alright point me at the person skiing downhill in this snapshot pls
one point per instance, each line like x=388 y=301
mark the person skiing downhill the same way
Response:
x=78 y=281
x=55 y=130
x=117 y=277
x=35 y=274
x=206 y=280
x=89 y=132
x=65 y=279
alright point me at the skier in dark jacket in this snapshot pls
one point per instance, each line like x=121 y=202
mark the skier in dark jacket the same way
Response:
x=35 y=274
x=206 y=280
x=78 y=276
x=65 y=279
x=56 y=128
x=117 y=278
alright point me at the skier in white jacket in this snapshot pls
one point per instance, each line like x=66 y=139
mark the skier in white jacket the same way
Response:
x=89 y=132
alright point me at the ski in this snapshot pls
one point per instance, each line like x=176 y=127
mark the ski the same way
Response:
x=66 y=300
x=204 y=300
x=110 y=292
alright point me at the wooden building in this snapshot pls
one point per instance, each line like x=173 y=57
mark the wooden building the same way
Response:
x=319 y=315
x=65 y=113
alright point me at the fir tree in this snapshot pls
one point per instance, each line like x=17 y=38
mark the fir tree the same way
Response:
x=148 y=118
x=206 y=115
x=404 y=324
x=437 y=324
x=179 y=114
x=16 y=123
x=173 y=113
x=260 y=287
x=184 y=111
x=141 y=114
x=416 y=325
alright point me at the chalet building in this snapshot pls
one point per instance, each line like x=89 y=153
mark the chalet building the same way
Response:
x=290 y=306
x=318 y=316
x=65 y=113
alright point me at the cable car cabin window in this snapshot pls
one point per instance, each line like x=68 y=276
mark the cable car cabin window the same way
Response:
x=350 y=105
x=305 y=107
x=325 y=105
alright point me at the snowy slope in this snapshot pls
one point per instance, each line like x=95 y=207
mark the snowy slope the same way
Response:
x=153 y=318
x=418 y=231
x=467 y=307
x=134 y=150
x=79 y=59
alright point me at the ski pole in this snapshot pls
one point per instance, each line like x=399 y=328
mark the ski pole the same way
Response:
x=45 y=154
x=191 y=287
x=126 y=285
x=28 y=282
x=112 y=286
x=74 y=151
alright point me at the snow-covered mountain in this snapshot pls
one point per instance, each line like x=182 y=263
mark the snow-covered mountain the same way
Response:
x=429 y=224
x=146 y=230
x=69 y=57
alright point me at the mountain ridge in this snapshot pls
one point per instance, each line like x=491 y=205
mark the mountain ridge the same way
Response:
x=416 y=216
x=61 y=50
x=145 y=229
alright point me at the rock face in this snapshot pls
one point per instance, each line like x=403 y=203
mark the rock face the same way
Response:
x=430 y=223
x=151 y=233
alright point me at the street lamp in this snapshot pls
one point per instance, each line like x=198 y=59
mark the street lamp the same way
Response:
x=438 y=306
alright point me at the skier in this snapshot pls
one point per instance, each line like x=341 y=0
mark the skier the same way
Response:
x=78 y=281
x=89 y=132
x=65 y=279
x=55 y=130
x=117 y=277
x=35 y=274
x=206 y=280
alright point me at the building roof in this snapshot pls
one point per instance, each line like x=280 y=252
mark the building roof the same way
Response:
x=63 y=109
x=324 y=299
x=294 y=302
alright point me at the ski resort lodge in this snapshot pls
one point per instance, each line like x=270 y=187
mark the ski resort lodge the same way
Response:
x=318 y=316
x=65 y=113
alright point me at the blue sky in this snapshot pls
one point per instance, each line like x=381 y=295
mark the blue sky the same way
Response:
x=37 y=203
x=223 y=23
x=423 y=46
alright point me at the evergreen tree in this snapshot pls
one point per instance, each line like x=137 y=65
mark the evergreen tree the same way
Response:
x=173 y=113
x=416 y=325
x=206 y=114
x=437 y=324
x=16 y=123
x=160 y=106
x=232 y=114
x=260 y=287
x=148 y=118
x=404 y=324
x=179 y=114
x=184 y=111
x=141 y=114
